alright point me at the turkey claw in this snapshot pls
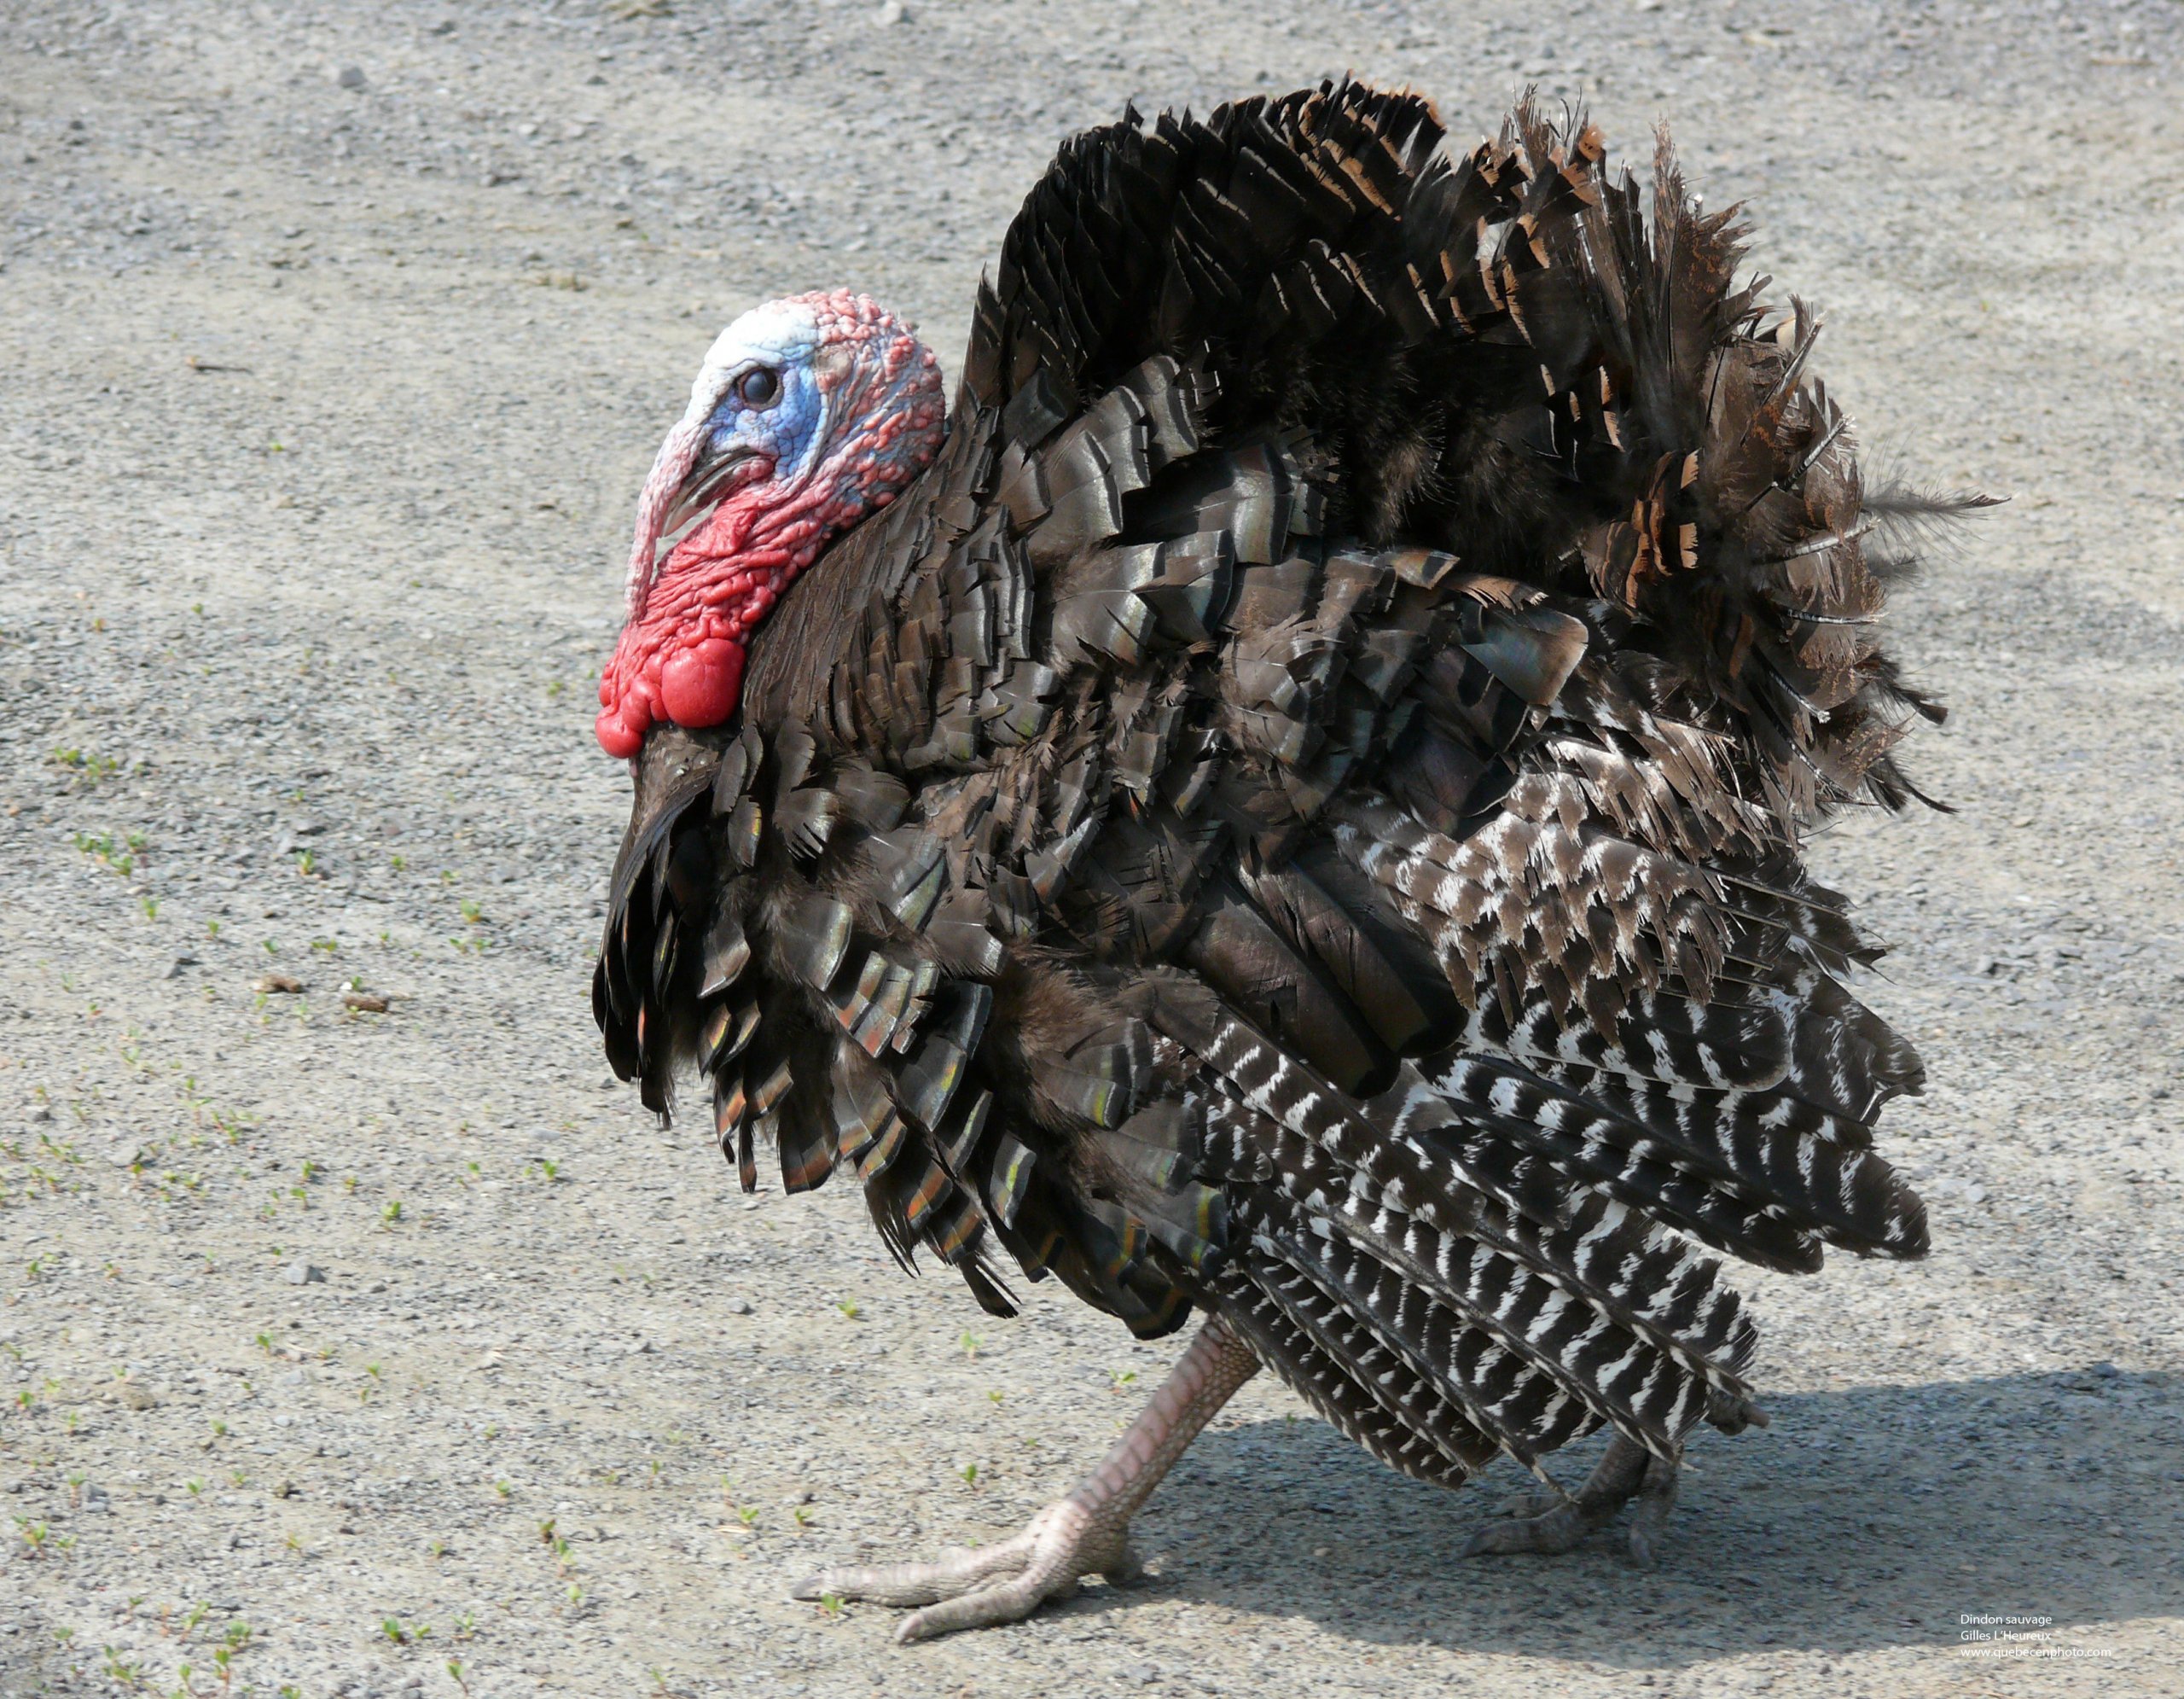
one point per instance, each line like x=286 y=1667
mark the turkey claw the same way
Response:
x=991 y=1585
x=1549 y=1524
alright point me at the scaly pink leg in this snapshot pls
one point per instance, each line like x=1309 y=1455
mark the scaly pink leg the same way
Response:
x=1087 y=1534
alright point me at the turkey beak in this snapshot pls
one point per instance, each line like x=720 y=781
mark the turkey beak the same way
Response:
x=670 y=472
x=689 y=476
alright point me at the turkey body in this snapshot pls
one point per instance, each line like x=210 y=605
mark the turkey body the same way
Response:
x=1295 y=814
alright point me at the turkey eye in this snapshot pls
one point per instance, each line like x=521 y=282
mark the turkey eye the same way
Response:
x=759 y=387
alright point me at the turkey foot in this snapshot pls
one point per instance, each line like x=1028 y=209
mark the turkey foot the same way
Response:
x=1626 y=1472
x=1087 y=1534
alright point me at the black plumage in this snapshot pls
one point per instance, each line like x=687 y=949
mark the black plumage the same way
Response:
x=1297 y=813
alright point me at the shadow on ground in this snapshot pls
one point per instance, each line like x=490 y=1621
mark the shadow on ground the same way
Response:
x=2052 y=1494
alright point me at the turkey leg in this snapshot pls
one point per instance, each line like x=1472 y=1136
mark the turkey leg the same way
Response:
x=1087 y=1534
x=1625 y=1472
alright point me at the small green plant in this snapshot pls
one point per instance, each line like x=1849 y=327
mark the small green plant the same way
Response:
x=472 y=914
x=392 y=1212
x=307 y=862
x=831 y=1603
x=212 y=928
x=195 y=1487
x=970 y=1473
x=848 y=1307
x=455 y=1675
x=969 y=1344
x=118 y=854
x=92 y=767
x=150 y=906
x=504 y=1489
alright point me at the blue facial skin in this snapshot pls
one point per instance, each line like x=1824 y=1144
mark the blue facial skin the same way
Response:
x=787 y=428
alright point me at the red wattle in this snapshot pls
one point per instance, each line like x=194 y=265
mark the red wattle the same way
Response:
x=616 y=737
x=700 y=685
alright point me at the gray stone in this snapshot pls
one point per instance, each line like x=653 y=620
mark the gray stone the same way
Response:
x=302 y=1274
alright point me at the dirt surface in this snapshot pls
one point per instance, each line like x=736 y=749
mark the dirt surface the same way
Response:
x=335 y=342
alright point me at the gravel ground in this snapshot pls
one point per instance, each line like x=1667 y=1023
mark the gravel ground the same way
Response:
x=336 y=341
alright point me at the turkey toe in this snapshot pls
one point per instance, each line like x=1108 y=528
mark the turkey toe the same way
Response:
x=956 y=1571
x=1626 y=1473
x=991 y=1585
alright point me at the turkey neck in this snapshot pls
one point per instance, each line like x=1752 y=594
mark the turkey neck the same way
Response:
x=814 y=625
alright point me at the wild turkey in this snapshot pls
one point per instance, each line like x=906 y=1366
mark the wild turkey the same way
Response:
x=1286 y=803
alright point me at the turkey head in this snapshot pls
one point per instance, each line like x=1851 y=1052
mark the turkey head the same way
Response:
x=808 y=414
